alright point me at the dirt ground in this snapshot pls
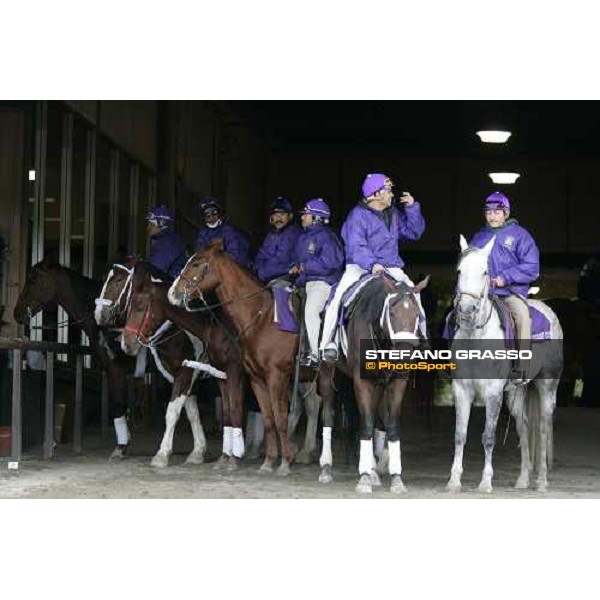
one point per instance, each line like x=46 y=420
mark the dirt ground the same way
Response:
x=426 y=456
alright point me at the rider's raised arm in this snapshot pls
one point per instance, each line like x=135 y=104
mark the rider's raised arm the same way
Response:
x=411 y=223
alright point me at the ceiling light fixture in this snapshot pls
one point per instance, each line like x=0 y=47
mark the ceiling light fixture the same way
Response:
x=504 y=178
x=494 y=136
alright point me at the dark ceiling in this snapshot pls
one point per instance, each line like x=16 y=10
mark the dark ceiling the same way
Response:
x=541 y=129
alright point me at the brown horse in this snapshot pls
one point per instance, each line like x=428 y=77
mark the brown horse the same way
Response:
x=148 y=310
x=267 y=353
x=378 y=400
x=49 y=285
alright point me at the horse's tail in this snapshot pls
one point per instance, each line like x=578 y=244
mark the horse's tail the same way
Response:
x=534 y=418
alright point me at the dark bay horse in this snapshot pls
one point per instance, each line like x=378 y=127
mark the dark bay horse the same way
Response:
x=148 y=310
x=49 y=285
x=268 y=354
x=385 y=316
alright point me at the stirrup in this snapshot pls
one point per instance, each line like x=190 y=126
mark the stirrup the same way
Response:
x=330 y=354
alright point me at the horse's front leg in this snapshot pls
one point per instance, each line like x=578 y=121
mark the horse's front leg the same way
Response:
x=394 y=394
x=367 y=398
x=161 y=458
x=117 y=393
x=516 y=405
x=463 y=398
x=196 y=456
x=327 y=392
x=312 y=407
x=493 y=404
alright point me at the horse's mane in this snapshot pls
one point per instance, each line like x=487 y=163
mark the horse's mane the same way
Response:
x=370 y=302
x=84 y=287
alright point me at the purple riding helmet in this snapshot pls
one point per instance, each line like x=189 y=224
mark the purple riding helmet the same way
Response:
x=319 y=209
x=160 y=216
x=374 y=182
x=497 y=201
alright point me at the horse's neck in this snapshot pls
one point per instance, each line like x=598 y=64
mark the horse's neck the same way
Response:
x=197 y=324
x=78 y=307
x=243 y=302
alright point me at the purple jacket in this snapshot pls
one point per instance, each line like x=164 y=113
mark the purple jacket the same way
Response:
x=235 y=242
x=320 y=252
x=276 y=255
x=167 y=253
x=514 y=257
x=370 y=241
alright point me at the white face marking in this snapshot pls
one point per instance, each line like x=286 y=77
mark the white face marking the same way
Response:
x=98 y=313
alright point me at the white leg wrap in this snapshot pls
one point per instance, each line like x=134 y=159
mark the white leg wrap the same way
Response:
x=395 y=464
x=122 y=430
x=227 y=440
x=379 y=442
x=326 y=456
x=366 y=462
x=238 y=441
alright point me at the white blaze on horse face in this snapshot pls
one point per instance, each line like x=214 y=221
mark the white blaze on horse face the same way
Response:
x=172 y=295
x=101 y=302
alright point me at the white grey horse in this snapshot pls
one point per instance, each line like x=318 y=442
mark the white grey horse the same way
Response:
x=479 y=320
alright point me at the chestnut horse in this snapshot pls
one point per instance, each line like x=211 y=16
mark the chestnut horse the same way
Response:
x=268 y=353
x=148 y=310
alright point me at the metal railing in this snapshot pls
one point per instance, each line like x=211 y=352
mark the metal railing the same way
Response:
x=17 y=346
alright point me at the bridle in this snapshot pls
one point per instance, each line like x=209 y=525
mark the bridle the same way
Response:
x=113 y=306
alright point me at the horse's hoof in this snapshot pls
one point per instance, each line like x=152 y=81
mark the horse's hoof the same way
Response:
x=266 y=467
x=542 y=487
x=485 y=487
x=364 y=485
x=453 y=487
x=118 y=453
x=221 y=462
x=522 y=483
x=160 y=461
x=284 y=469
x=375 y=480
x=397 y=487
x=194 y=458
x=326 y=476
x=233 y=464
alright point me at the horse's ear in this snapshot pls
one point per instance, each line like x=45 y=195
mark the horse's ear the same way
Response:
x=422 y=285
x=463 y=243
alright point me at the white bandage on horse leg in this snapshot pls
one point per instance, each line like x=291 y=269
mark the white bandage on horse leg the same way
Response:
x=227 y=440
x=366 y=462
x=326 y=456
x=238 y=442
x=379 y=442
x=395 y=464
x=122 y=431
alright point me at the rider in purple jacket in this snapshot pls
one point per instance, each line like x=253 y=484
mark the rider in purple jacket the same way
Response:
x=275 y=256
x=371 y=234
x=167 y=251
x=513 y=264
x=319 y=262
x=235 y=241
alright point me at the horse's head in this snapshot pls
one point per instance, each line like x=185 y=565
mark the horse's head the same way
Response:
x=145 y=313
x=40 y=291
x=473 y=280
x=114 y=298
x=198 y=276
x=401 y=313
